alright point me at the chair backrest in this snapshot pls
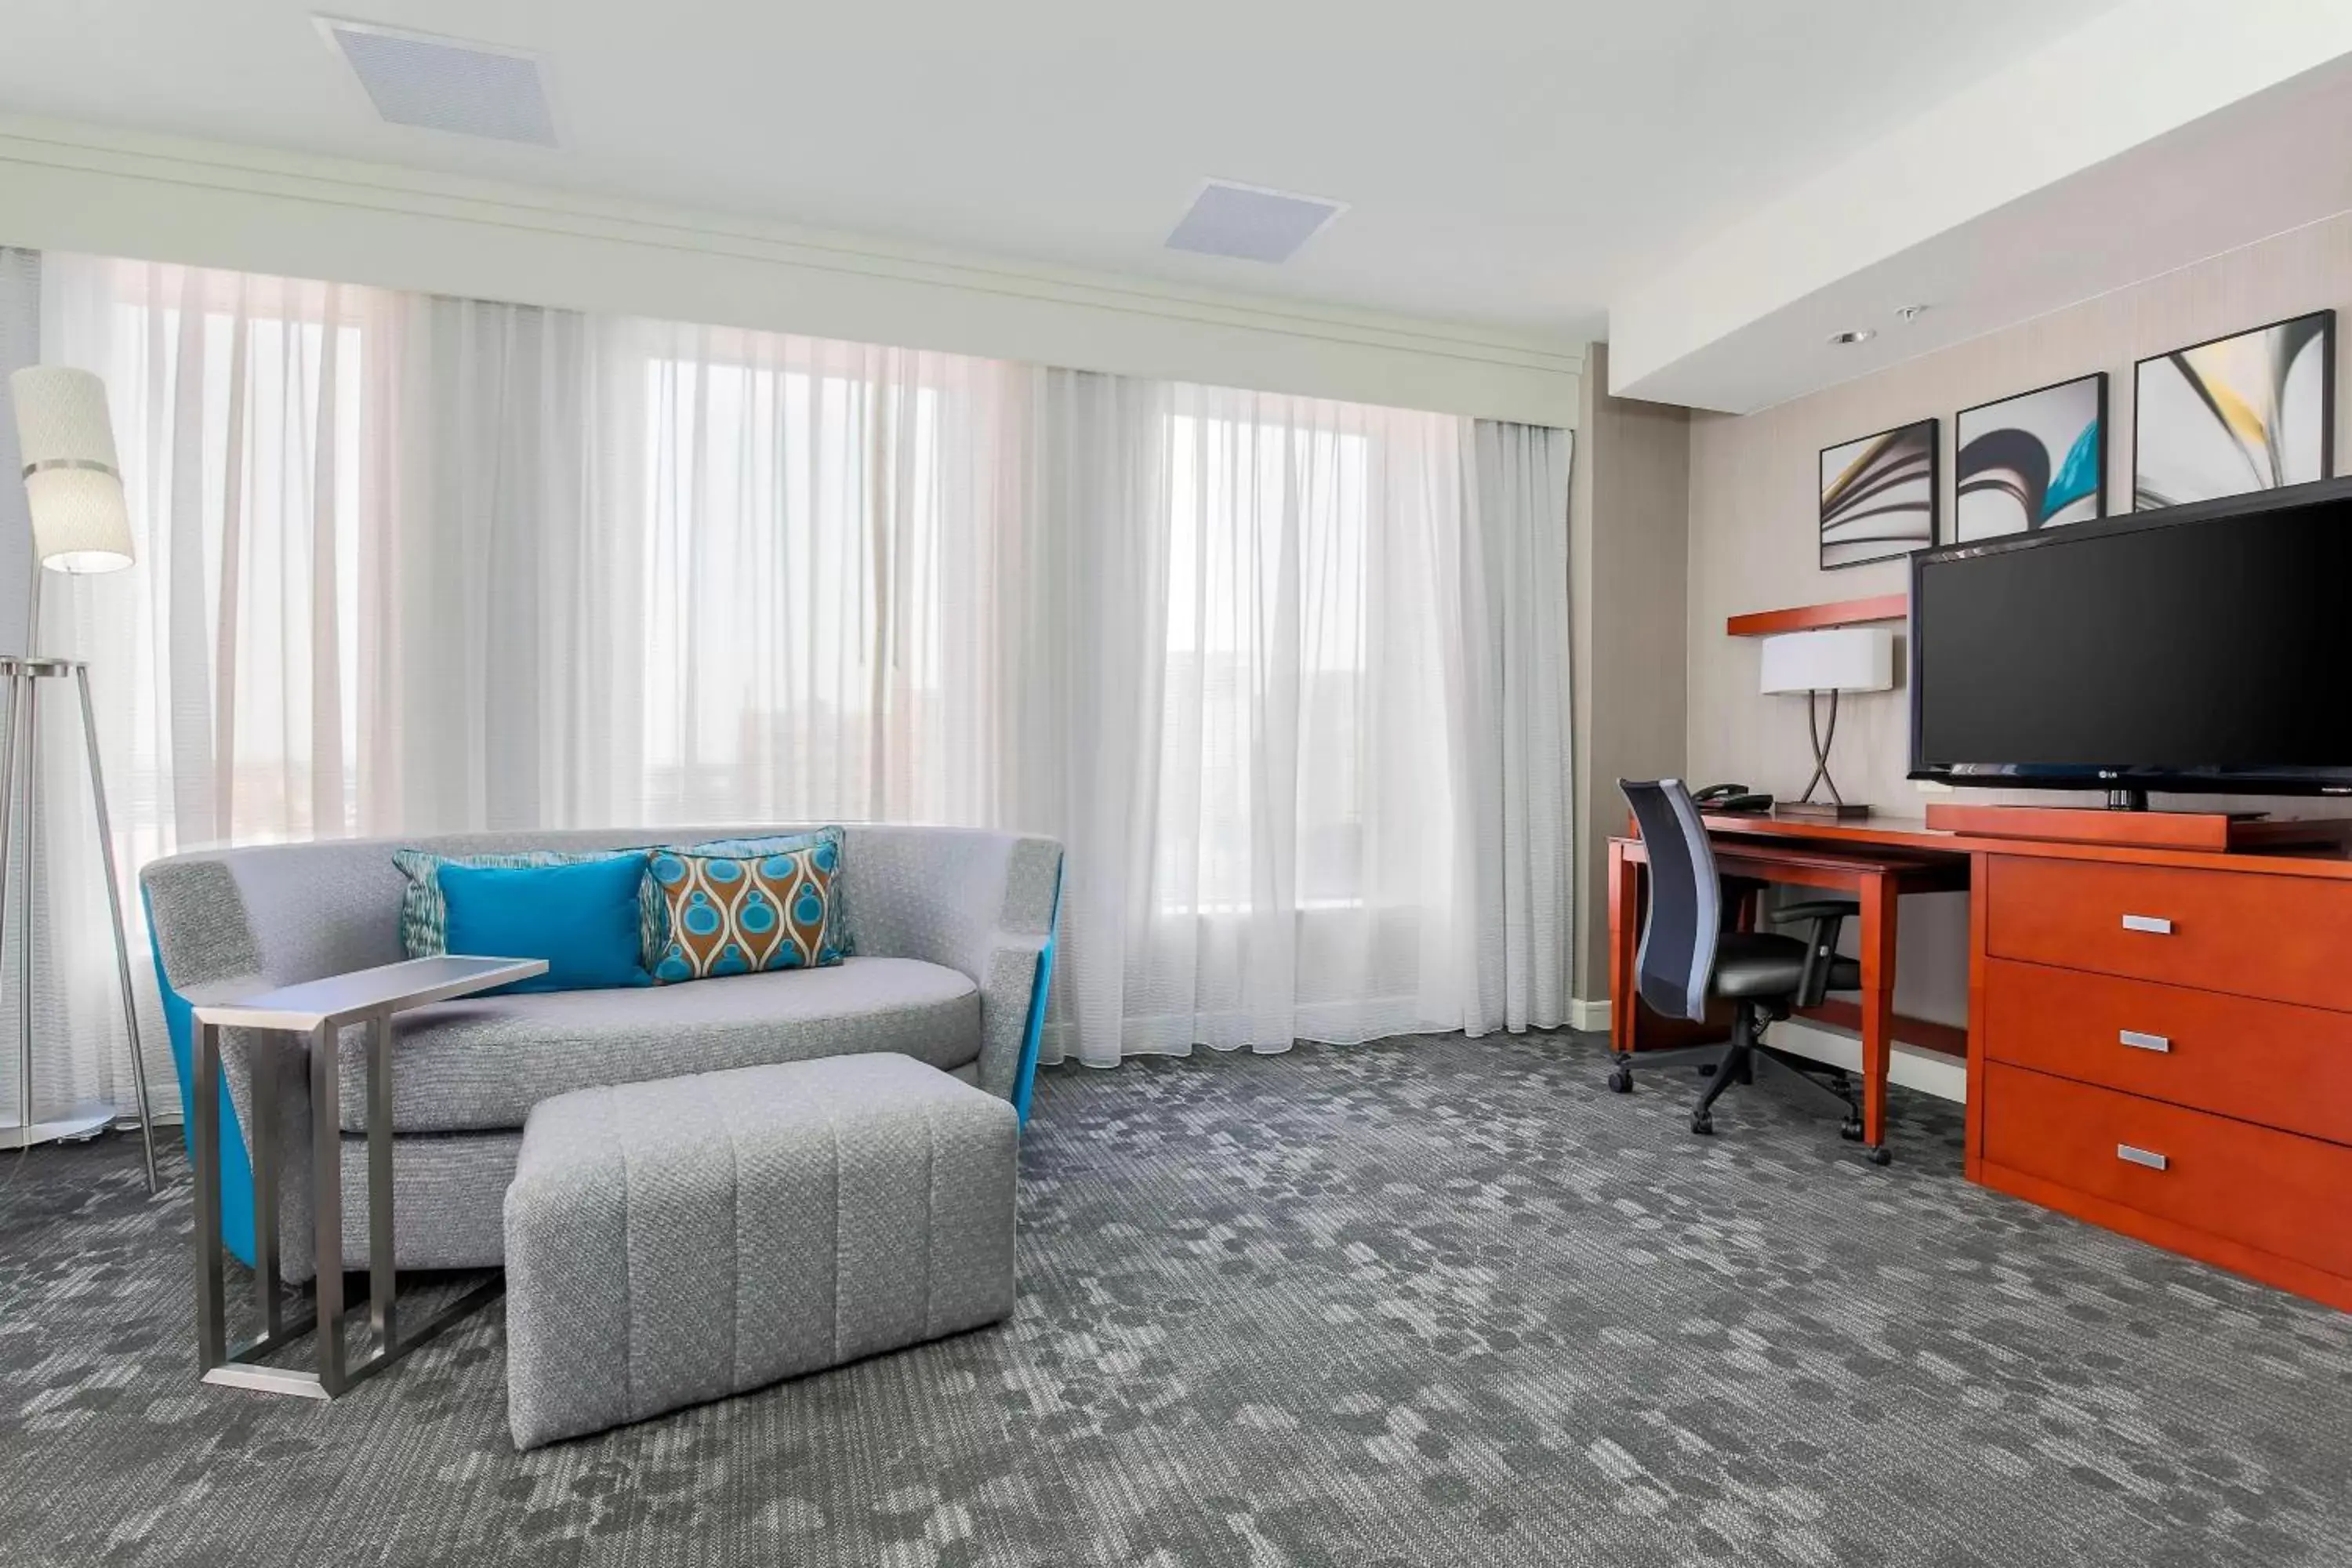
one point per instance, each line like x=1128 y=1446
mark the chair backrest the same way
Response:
x=1677 y=955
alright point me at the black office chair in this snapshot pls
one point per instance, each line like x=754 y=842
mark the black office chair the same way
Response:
x=1690 y=952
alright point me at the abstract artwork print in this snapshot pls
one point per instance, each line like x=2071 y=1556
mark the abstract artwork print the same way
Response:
x=1878 y=496
x=2031 y=461
x=2250 y=411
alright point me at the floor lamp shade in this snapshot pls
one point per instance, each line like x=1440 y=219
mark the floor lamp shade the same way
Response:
x=73 y=481
x=1844 y=658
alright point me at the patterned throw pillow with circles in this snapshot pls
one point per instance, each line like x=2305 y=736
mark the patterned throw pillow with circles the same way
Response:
x=729 y=914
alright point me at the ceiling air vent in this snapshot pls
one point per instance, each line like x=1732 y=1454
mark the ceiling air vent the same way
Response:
x=1251 y=224
x=447 y=84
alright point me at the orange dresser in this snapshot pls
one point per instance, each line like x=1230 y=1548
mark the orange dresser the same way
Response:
x=2162 y=1043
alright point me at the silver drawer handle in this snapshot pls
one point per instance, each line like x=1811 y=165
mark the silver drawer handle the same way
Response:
x=2155 y=925
x=2148 y=1157
x=2140 y=1042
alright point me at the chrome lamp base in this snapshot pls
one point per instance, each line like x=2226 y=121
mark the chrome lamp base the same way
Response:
x=19 y=791
x=1806 y=809
x=71 y=1128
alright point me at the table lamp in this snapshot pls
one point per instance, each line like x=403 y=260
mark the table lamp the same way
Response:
x=80 y=523
x=1844 y=658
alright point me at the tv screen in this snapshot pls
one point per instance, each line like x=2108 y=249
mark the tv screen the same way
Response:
x=2203 y=648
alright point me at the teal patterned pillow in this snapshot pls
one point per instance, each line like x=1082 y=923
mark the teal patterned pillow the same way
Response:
x=837 y=905
x=424 y=914
x=743 y=914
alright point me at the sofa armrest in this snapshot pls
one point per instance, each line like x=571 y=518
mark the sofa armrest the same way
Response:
x=975 y=902
x=206 y=950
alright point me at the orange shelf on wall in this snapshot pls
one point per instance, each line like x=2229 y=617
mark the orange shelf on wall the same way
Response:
x=1815 y=617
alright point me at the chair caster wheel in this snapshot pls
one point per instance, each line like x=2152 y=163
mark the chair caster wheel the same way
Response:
x=1850 y=1130
x=1702 y=1124
x=1621 y=1081
x=1880 y=1156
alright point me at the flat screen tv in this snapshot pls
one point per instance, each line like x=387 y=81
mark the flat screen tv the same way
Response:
x=2201 y=648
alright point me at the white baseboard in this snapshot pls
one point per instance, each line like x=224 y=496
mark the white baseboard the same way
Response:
x=1930 y=1072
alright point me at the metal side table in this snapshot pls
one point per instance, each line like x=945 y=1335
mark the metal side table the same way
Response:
x=318 y=1010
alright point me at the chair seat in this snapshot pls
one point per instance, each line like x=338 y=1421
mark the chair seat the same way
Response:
x=1756 y=963
x=1764 y=965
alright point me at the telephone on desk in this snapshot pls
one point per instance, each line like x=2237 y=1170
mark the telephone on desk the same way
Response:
x=1731 y=797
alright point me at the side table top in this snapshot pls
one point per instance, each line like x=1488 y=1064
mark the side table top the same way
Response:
x=389 y=988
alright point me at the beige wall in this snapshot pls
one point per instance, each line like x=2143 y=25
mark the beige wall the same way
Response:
x=1753 y=518
x=1629 y=514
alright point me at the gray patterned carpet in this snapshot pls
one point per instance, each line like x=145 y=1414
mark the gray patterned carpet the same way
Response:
x=1429 y=1302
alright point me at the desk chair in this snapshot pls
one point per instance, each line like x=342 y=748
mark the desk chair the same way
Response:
x=1690 y=953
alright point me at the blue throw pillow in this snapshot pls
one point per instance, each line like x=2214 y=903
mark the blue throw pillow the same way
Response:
x=424 y=916
x=581 y=918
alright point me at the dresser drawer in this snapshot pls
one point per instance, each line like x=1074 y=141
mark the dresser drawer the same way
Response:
x=2265 y=1062
x=2280 y=1193
x=2286 y=938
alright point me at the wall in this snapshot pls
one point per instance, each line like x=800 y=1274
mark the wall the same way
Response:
x=112 y=192
x=1753 y=511
x=1629 y=512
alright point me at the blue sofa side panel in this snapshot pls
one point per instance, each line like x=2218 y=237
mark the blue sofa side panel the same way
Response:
x=236 y=1170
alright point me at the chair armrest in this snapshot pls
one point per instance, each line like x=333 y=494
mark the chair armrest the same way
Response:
x=1814 y=910
x=1827 y=916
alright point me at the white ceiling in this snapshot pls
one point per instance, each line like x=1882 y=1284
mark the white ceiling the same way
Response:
x=2272 y=161
x=1513 y=163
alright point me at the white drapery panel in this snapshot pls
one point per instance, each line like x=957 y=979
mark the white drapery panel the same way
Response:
x=1286 y=676
x=1297 y=857
x=250 y=416
x=1511 y=746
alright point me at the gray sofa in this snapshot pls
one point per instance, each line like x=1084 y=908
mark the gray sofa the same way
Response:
x=947 y=926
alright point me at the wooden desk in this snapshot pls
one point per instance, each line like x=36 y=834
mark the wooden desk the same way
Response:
x=1877 y=866
x=2159 y=1041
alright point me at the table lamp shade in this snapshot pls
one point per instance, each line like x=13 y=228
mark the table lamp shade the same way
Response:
x=73 y=482
x=1844 y=658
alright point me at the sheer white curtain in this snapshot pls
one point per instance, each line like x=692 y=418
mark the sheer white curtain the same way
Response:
x=1297 y=857
x=251 y=416
x=1287 y=676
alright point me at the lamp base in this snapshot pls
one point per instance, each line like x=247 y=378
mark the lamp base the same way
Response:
x=73 y=1126
x=1819 y=810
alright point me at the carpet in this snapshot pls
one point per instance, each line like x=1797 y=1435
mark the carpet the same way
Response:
x=1428 y=1302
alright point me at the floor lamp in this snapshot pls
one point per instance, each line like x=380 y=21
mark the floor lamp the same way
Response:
x=73 y=491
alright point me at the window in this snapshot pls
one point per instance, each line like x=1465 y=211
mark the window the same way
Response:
x=1266 y=578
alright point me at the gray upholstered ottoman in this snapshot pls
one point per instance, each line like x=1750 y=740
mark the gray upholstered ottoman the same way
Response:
x=677 y=1241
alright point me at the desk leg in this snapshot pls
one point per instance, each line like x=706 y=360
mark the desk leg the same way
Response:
x=1624 y=922
x=1878 y=905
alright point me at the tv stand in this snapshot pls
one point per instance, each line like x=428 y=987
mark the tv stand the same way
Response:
x=2127 y=800
x=2137 y=828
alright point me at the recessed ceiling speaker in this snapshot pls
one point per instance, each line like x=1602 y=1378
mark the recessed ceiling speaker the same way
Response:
x=1251 y=224
x=447 y=84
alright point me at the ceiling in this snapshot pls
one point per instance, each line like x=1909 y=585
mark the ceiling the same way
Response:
x=1516 y=164
x=2272 y=161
